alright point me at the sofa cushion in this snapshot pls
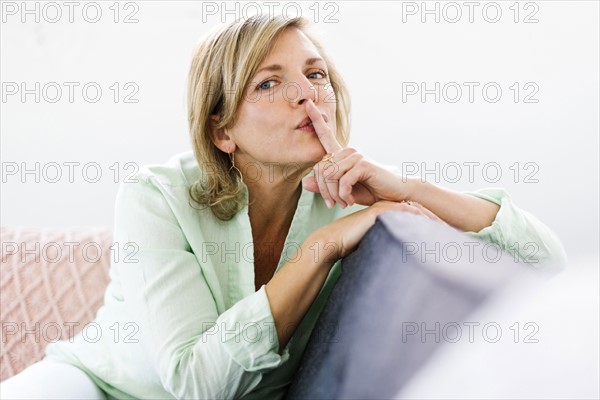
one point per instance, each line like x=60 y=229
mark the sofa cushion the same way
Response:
x=405 y=291
x=52 y=282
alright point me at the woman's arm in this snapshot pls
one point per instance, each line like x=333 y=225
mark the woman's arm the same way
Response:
x=197 y=351
x=345 y=177
x=293 y=289
x=464 y=212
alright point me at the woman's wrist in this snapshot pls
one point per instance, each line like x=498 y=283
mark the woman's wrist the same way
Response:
x=412 y=189
x=464 y=212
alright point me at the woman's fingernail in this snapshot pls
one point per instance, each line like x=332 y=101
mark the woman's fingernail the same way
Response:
x=325 y=117
x=329 y=203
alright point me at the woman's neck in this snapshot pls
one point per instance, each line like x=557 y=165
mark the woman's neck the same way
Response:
x=272 y=206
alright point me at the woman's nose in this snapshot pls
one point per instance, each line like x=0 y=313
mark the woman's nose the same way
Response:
x=305 y=90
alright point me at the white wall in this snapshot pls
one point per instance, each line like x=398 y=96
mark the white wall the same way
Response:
x=380 y=55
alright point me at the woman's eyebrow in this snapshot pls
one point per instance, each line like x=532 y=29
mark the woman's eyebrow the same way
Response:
x=277 y=67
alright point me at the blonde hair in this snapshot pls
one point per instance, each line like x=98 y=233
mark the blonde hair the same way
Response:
x=223 y=65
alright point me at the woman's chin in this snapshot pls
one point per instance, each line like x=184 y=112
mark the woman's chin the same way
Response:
x=309 y=153
x=316 y=157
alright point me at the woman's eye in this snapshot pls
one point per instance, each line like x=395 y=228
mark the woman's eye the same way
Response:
x=266 y=85
x=269 y=84
x=317 y=75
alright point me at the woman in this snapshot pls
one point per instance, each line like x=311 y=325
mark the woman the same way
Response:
x=237 y=246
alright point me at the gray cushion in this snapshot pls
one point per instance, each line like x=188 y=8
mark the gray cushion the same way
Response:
x=405 y=277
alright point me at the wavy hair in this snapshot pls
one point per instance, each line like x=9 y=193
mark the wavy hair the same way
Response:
x=223 y=64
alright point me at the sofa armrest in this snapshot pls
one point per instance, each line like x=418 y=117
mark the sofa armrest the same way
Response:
x=408 y=288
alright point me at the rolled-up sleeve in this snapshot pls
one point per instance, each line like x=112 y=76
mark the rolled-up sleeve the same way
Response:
x=196 y=352
x=520 y=233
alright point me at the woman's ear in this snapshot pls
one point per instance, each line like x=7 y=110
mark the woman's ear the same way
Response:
x=219 y=136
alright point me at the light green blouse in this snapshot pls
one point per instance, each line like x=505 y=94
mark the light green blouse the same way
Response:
x=181 y=317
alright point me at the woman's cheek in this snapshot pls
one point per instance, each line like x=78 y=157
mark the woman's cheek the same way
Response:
x=328 y=93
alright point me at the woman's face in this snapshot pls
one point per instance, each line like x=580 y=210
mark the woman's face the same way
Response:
x=266 y=129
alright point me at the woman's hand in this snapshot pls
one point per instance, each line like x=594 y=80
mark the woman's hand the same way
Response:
x=345 y=176
x=341 y=237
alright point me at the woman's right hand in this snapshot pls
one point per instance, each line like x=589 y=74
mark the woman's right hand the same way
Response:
x=341 y=237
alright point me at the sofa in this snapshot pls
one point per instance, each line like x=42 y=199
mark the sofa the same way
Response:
x=395 y=313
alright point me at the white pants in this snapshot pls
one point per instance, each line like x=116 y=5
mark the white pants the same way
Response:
x=49 y=379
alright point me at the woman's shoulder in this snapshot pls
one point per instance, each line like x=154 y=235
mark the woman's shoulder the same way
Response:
x=161 y=186
x=159 y=193
x=179 y=170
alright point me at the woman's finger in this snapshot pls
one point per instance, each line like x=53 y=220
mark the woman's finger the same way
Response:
x=324 y=132
x=427 y=212
x=336 y=168
x=323 y=189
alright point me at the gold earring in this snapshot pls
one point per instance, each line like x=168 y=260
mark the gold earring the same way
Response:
x=232 y=158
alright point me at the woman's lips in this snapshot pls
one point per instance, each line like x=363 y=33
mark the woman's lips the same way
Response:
x=307 y=128
x=305 y=121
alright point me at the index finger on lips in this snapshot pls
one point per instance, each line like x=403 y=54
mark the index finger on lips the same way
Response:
x=324 y=133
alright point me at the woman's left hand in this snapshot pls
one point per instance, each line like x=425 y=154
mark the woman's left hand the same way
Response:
x=345 y=176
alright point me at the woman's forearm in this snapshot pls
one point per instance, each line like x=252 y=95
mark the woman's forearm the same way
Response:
x=293 y=289
x=464 y=212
